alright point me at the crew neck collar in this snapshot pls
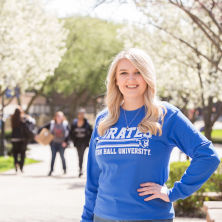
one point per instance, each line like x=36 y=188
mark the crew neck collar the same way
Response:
x=131 y=111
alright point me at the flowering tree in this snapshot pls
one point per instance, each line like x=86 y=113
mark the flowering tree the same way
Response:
x=184 y=38
x=32 y=43
x=197 y=28
x=175 y=67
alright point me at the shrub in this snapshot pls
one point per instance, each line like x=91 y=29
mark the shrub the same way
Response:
x=191 y=206
x=8 y=134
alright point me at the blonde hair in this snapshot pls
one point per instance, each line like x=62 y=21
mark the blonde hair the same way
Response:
x=61 y=114
x=114 y=97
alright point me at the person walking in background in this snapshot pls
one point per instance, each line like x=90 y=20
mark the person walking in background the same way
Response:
x=80 y=134
x=21 y=135
x=59 y=127
x=130 y=147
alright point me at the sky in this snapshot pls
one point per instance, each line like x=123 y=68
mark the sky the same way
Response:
x=109 y=11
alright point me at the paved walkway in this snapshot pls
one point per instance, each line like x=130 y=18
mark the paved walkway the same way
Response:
x=35 y=197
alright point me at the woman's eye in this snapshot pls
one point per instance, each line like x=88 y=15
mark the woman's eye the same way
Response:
x=138 y=72
x=123 y=73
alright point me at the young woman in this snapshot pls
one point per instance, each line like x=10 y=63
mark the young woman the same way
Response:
x=59 y=127
x=21 y=134
x=80 y=134
x=129 y=152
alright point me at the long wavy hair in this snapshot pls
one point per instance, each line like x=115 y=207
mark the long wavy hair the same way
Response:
x=16 y=118
x=114 y=98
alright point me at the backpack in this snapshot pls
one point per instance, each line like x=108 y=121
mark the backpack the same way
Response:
x=28 y=132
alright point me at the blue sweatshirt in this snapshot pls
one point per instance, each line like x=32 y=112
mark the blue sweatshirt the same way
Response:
x=122 y=159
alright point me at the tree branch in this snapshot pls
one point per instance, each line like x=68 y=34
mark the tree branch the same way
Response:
x=9 y=101
x=210 y=15
x=218 y=114
x=187 y=44
x=198 y=22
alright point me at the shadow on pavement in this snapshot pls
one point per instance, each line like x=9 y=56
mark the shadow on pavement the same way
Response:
x=77 y=185
x=8 y=174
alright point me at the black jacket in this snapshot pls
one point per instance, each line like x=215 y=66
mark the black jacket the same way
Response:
x=22 y=132
x=87 y=130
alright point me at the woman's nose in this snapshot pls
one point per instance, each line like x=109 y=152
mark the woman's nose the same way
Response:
x=131 y=76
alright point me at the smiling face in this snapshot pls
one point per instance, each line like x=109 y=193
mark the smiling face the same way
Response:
x=59 y=118
x=129 y=80
x=81 y=115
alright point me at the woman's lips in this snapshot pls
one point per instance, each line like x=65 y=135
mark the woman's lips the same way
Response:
x=132 y=86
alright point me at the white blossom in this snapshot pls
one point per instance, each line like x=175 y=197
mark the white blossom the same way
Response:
x=176 y=64
x=32 y=43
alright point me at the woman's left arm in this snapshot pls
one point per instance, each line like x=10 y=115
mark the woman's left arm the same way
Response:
x=205 y=161
x=65 y=142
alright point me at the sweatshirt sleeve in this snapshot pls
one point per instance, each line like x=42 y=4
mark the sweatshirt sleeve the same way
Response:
x=205 y=160
x=93 y=172
x=47 y=126
x=67 y=129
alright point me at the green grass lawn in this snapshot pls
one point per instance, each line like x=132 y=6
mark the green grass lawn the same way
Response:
x=216 y=135
x=7 y=163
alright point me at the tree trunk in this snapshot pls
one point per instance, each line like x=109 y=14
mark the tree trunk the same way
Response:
x=208 y=131
x=76 y=103
x=31 y=102
x=207 y=113
x=18 y=100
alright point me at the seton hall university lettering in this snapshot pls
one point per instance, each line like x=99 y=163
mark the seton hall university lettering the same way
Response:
x=124 y=141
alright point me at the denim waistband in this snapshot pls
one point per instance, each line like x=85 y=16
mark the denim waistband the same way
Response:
x=99 y=219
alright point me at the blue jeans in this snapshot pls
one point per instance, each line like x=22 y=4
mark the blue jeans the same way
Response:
x=99 y=219
x=57 y=147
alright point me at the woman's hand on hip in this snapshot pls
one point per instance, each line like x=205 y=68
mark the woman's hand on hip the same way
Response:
x=156 y=191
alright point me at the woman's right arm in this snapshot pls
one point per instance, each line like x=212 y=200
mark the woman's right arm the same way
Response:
x=72 y=131
x=47 y=126
x=91 y=187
